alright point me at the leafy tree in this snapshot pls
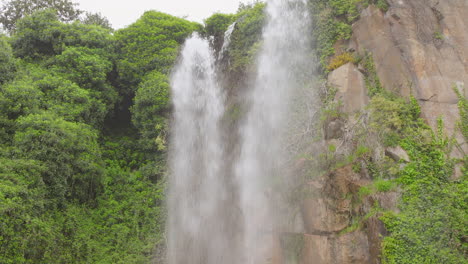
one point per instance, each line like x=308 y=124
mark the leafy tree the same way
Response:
x=22 y=201
x=89 y=69
x=216 y=25
x=20 y=97
x=96 y=19
x=13 y=10
x=42 y=35
x=151 y=43
x=87 y=35
x=68 y=150
x=61 y=201
x=151 y=108
x=37 y=35
x=17 y=98
x=245 y=39
x=8 y=63
x=73 y=103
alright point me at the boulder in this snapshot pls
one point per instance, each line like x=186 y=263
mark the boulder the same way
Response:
x=397 y=154
x=351 y=87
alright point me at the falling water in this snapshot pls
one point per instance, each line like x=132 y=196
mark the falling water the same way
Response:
x=220 y=208
x=280 y=66
x=195 y=228
x=227 y=40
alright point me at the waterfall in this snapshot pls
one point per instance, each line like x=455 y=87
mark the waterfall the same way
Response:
x=280 y=67
x=220 y=201
x=227 y=40
x=196 y=192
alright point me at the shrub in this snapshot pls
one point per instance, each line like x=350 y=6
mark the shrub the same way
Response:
x=340 y=60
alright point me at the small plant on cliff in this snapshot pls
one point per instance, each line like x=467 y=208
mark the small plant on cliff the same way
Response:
x=438 y=35
x=340 y=60
x=391 y=117
x=371 y=77
x=463 y=108
x=382 y=4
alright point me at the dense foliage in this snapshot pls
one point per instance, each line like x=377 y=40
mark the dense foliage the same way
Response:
x=80 y=182
x=431 y=225
x=14 y=10
x=84 y=120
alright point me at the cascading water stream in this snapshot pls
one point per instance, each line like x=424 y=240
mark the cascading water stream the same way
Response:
x=227 y=40
x=220 y=208
x=280 y=64
x=196 y=192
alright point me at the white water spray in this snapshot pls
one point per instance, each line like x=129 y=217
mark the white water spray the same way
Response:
x=220 y=210
x=281 y=61
x=227 y=40
x=195 y=226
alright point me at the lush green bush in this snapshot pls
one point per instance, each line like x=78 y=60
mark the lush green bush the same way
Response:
x=217 y=24
x=245 y=39
x=431 y=227
x=22 y=201
x=41 y=35
x=68 y=150
x=76 y=184
x=150 y=111
x=463 y=108
x=151 y=43
x=89 y=69
x=37 y=35
x=8 y=63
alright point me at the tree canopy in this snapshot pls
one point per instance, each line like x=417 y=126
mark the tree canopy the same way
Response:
x=12 y=11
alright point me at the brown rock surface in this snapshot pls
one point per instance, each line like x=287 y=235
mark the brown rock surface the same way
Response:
x=351 y=87
x=420 y=47
x=397 y=154
x=316 y=250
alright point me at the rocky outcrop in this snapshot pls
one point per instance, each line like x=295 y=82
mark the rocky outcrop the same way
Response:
x=397 y=154
x=330 y=209
x=351 y=87
x=420 y=48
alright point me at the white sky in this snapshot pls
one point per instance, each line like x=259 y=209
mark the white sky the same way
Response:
x=123 y=13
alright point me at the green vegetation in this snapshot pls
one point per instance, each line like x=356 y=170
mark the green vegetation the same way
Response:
x=217 y=24
x=463 y=108
x=245 y=39
x=371 y=77
x=83 y=120
x=14 y=10
x=149 y=44
x=340 y=60
x=332 y=21
x=431 y=227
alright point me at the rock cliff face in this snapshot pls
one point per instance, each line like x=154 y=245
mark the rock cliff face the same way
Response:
x=420 y=48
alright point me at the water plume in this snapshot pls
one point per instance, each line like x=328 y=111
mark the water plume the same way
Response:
x=195 y=225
